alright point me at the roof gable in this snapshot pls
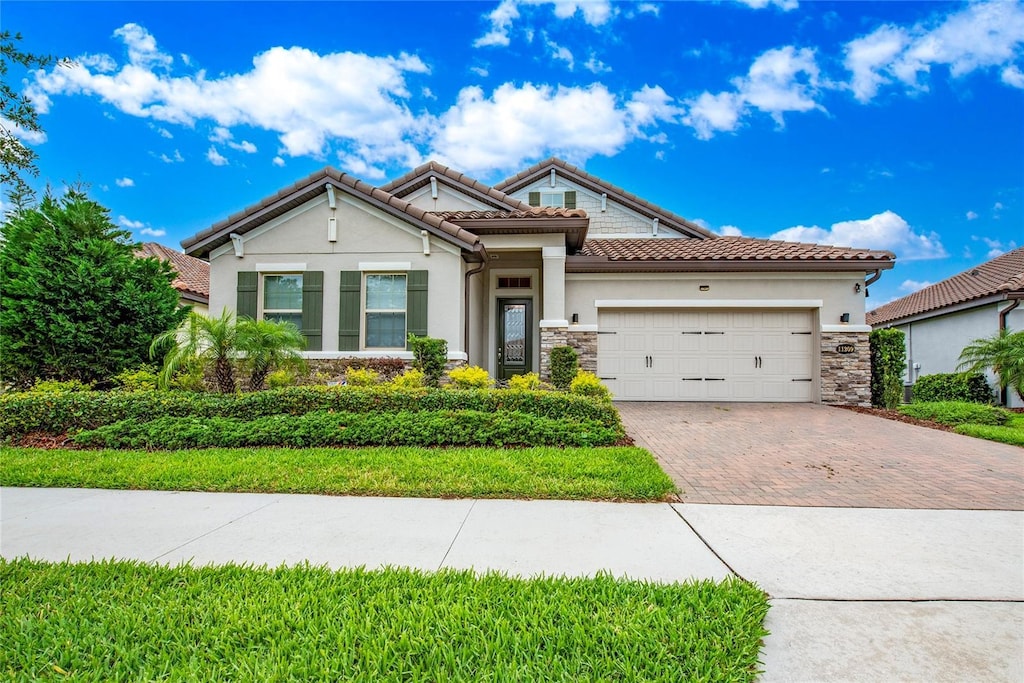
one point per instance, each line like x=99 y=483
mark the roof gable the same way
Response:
x=616 y=194
x=458 y=181
x=1003 y=276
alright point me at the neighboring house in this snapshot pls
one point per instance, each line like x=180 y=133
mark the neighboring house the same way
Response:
x=941 y=319
x=659 y=307
x=193 y=275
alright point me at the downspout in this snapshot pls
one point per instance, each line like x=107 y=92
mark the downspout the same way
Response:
x=1004 y=394
x=483 y=264
x=871 y=280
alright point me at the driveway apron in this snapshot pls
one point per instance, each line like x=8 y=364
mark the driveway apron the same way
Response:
x=803 y=454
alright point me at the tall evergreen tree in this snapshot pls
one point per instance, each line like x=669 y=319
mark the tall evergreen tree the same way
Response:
x=75 y=302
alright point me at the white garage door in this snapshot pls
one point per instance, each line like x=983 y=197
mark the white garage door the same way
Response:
x=706 y=355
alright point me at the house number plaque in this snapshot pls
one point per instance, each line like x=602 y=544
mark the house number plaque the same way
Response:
x=845 y=348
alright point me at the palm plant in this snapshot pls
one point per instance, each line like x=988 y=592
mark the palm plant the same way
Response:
x=266 y=345
x=209 y=341
x=1003 y=353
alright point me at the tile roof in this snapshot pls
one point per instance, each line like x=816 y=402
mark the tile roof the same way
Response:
x=724 y=249
x=529 y=212
x=193 y=274
x=1003 y=275
x=420 y=176
x=581 y=177
x=312 y=186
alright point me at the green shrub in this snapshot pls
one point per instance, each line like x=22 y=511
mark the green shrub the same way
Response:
x=386 y=368
x=356 y=377
x=191 y=378
x=410 y=379
x=55 y=386
x=24 y=412
x=587 y=384
x=564 y=364
x=888 y=361
x=430 y=355
x=471 y=377
x=1008 y=435
x=957 y=386
x=957 y=413
x=528 y=382
x=323 y=428
x=278 y=379
x=143 y=378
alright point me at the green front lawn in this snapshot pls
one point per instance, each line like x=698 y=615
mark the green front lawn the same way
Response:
x=973 y=419
x=126 y=620
x=621 y=473
x=1012 y=432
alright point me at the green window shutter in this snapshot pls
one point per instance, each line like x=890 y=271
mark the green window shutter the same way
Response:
x=349 y=313
x=534 y=199
x=570 y=199
x=416 y=303
x=313 y=309
x=248 y=284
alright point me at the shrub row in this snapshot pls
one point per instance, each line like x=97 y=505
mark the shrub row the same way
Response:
x=957 y=413
x=322 y=428
x=21 y=413
x=956 y=386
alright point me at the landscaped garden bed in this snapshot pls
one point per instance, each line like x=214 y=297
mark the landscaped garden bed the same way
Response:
x=972 y=419
x=128 y=620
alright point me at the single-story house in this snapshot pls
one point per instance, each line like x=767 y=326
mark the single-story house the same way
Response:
x=941 y=319
x=193 y=275
x=659 y=307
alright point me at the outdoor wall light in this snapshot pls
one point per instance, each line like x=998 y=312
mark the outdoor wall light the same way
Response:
x=844 y=318
x=705 y=288
x=856 y=288
x=575 y=318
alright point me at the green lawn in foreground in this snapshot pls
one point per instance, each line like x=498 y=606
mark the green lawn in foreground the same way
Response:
x=1012 y=432
x=623 y=473
x=125 y=620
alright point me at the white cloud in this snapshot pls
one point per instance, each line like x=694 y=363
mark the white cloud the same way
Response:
x=124 y=182
x=243 y=146
x=981 y=35
x=914 y=285
x=784 y=5
x=998 y=206
x=482 y=133
x=779 y=81
x=971 y=216
x=220 y=134
x=479 y=71
x=176 y=158
x=30 y=137
x=560 y=53
x=162 y=132
x=826 y=170
x=648 y=8
x=595 y=65
x=278 y=161
x=501 y=18
x=126 y=222
x=153 y=232
x=215 y=157
x=995 y=247
x=886 y=230
x=312 y=110
x=730 y=231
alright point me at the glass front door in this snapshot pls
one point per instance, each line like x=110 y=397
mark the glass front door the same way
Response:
x=515 y=337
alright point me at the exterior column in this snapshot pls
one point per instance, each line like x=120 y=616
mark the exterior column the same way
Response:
x=553 y=313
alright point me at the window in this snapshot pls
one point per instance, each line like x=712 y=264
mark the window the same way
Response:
x=282 y=298
x=385 y=311
x=514 y=282
x=558 y=199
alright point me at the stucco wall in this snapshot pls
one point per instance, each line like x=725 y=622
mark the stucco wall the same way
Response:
x=935 y=343
x=448 y=199
x=364 y=235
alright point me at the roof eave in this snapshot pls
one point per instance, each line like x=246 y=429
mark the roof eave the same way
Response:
x=948 y=309
x=594 y=264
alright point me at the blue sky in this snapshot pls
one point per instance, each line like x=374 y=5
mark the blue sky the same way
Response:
x=887 y=125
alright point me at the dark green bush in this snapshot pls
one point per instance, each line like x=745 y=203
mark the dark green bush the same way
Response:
x=25 y=412
x=956 y=386
x=564 y=364
x=430 y=356
x=888 y=361
x=324 y=428
x=957 y=413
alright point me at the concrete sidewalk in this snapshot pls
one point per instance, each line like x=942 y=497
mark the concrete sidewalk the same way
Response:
x=856 y=594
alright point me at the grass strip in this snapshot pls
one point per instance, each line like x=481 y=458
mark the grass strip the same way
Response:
x=1012 y=433
x=126 y=620
x=620 y=473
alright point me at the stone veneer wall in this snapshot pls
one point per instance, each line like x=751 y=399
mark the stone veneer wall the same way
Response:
x=585 y=343
x=846 y=377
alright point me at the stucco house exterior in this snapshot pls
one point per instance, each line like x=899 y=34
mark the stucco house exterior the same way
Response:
x=192 y=278
x=659 y=307
x=941 y=319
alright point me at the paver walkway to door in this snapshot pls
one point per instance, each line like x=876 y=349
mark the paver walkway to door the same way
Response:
x=814 y=455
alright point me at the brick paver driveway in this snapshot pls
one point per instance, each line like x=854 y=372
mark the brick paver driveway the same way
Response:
x=814 y=455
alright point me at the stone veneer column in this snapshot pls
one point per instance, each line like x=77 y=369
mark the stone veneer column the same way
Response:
x=846 y=377
x=584 y=342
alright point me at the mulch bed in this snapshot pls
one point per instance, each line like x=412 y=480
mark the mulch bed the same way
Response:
x=899 y=417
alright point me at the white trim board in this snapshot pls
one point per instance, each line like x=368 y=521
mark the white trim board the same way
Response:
x=708 y=303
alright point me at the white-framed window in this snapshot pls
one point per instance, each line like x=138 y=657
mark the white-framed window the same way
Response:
x=282 y=298
x=552 y=199
x=384 y=310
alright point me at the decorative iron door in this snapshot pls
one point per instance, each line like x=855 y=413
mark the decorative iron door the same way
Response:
x=515 y=337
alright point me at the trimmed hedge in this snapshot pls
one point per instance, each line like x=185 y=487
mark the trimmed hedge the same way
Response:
x=24 y=412
x=956 y=386
x=322 y=428
x=955 y=413
x=888 y=363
